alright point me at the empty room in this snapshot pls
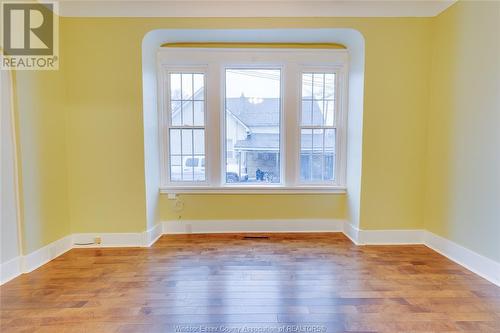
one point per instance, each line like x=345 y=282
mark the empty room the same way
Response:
x=239 y=166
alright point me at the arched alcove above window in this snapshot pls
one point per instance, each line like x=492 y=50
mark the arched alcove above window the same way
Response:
x=348 y=39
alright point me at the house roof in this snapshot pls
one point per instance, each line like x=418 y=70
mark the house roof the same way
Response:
x=263 y=112
x=261 y=141
x=271 y=141
x=253 y=112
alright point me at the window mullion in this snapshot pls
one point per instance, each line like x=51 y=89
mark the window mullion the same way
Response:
x=182 y=153
x=192 y=143
x=323 y=157
x=182 y=104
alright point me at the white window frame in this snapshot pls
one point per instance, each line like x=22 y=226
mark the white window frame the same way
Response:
x=166 y=120
x=213 y=62
x=223 y=132
x=339 y=124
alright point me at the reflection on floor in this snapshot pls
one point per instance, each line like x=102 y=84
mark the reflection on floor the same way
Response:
x=321 y=282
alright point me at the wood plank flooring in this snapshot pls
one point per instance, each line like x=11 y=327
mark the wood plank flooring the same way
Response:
x=225 y=283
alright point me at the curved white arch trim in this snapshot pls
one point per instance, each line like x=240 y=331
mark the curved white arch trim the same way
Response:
x=351 y=38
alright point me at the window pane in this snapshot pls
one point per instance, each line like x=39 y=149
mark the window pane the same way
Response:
x=252 y=133
x=329 y=86
x=318 y=113
x=318 y=81
x=176 y=168
x=175 y=142
x=187 y=142
x=187 y=169
x=175 y=86
x=187 y=145
x=322 y=109
x=199 y=115
x=199 y=141
x=187 y=86
x=192 y=162
x=307 y=112
x=329 y=115
x=187 y=113
x=199 y=168
x=329 y=160
x=175 y=112
x=198 y=88
x=317 y=155
x=305 y=166
x=305 y=154
x=307 y=86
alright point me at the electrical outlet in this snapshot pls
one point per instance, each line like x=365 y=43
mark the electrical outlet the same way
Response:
x=98 y=240
x=171 y=196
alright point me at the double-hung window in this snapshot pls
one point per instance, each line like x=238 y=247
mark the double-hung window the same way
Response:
x=317 y=127
x=186 y=126
x=253 y=120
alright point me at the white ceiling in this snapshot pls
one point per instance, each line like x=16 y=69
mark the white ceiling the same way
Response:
x=253 y=8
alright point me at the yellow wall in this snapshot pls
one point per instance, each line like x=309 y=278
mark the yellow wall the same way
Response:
x=463 y=169
x=105 y=139
x=430 y=136
x=395 y=123
x=41 y=136
x=101 y=62
x=272 y=206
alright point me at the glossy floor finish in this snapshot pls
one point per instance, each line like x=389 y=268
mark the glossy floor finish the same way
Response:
x=225 y=283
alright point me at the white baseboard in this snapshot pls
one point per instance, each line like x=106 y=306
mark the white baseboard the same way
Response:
x=351 y=232
x=121 y=239
x=30 y=262
x=390 y=237
x=383 y=237
x=11 y=269
x=473 y=261
x=469 y=259
x=152 y=235
x=237 y=226
x=45 y=254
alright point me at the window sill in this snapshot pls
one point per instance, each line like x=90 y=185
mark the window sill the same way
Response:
x=256 y=190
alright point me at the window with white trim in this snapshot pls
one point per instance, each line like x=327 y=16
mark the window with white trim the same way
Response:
x=317 y=128
x=252 y=125
x=186 y=126
x=253 y=120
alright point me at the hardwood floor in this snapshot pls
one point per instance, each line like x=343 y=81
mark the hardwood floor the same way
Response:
x=221 y=283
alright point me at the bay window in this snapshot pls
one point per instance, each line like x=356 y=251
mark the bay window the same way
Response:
x=252 y=120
